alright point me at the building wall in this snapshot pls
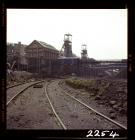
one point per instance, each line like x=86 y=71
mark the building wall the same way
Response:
x=39 y=58
x=15 y=52
x=37 y=50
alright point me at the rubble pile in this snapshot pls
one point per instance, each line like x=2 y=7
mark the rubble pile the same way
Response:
x=106 y=91
x=18 y=76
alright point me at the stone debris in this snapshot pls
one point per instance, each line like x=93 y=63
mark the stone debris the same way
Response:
x=113 y=115
x=111 y=92
x=97 y=98
x=112 y=102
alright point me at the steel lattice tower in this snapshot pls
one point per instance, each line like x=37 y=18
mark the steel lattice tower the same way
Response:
x=67 y=46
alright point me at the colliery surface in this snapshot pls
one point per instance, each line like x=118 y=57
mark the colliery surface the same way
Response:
x=31 y=109
x=51 y=89
x=106 y=95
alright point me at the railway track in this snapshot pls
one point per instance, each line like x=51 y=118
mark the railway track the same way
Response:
x=23 y=113
x=15 y=85
x=24 y=89
x=15 y=94
x=57 y=116
x=84 y=105
x=65 y=107
x=97 y=112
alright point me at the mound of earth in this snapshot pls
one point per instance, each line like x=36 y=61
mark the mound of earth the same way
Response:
x=109 y=92
x=22 y=75
x=18 y=76
x=115 y=95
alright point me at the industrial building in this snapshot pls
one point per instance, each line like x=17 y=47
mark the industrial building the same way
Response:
x=44 y=59
x=39 y=56
x=16 y=55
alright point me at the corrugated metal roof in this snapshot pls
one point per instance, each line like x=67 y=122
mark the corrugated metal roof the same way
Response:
x=47 y=45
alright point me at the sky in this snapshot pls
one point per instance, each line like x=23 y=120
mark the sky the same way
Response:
x=104 y=31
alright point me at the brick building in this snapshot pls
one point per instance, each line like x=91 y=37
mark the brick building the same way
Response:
x=39 y=56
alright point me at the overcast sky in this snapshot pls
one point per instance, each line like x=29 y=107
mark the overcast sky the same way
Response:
x=104 y=31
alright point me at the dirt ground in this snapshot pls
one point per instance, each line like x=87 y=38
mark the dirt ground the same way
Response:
x=31 y=110
x=107 y=96
x=73 y=114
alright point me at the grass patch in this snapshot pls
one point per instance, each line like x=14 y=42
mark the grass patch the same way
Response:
x=92 y=86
